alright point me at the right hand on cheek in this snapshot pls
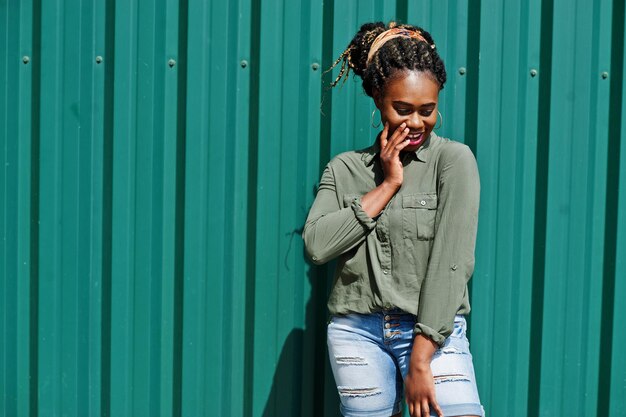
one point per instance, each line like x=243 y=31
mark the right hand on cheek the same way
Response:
x=390 y=153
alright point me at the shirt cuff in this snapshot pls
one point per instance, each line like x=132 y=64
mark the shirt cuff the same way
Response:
x=361 y=215
x=430 y=333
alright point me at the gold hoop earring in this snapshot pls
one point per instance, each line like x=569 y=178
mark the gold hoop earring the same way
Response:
x=440 y=120
x=372 y=122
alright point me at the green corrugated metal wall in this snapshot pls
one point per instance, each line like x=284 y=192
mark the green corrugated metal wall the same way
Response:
x=160 y=156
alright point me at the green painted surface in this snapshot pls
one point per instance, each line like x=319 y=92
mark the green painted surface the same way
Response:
x=159 y=159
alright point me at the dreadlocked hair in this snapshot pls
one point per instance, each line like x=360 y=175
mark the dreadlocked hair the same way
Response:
x=397 y=54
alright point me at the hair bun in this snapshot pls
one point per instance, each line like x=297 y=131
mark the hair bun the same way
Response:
x=360 y=45
x=414 y=50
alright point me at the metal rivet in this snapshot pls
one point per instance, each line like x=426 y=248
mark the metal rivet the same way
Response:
x=533 y=72
x=454 y=267
x=462 y=70
x=98 y=59
x=385 y=272
x=171 y=63
x=315 y=66
x=423 y=203
x=243 y=63
x=605 y=75
x=25 y=59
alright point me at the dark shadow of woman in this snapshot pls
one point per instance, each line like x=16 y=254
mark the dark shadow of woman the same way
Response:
x=303 y=383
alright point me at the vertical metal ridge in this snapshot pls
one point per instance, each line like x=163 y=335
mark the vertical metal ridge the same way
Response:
x=240 y=65
x=235 y=227
x=541 y=202
x=51 y=332
x=596 y=222
x=618 y=311
x=179 y=256
x=471 y=100
x=488 y=146
x=402 y=10
x=125 y=205
x=165 y=48
x=268 y=326
x=107 y=209
x=5 y=326
x=319 y=276
x=196 y=174
x=473 y=73
x=34 y=208
x=610 y=271
x=251 y=233
x=218 y=235
x=231 y=240
x=326 y=106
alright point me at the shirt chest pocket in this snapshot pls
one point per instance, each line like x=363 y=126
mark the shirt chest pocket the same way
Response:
x=418 y=216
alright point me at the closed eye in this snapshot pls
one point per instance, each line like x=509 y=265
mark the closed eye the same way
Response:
x=404 y=112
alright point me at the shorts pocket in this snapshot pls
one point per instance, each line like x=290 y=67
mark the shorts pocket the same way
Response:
x=418 y=216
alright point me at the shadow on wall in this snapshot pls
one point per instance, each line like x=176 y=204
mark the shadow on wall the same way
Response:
x=303 y=382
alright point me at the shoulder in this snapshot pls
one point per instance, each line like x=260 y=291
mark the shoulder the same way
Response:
x=451 y=151
x=449 y=148
x=352 y=159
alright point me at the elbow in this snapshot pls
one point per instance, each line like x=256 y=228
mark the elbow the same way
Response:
x=317 y=258
x=315 y=250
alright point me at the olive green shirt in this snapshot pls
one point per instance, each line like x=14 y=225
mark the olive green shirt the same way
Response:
x=418 y=253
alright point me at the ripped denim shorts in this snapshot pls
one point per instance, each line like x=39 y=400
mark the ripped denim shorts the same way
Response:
x=370 y=354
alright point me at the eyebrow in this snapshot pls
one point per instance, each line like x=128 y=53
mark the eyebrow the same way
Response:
x=411 y=105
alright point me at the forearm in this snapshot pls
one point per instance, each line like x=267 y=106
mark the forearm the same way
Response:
x=330 y=229
x=330 y=235
x=333 y=233
x=421 y=353
x=376 y=200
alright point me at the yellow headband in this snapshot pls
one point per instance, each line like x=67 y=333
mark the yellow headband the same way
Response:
x=391 y=34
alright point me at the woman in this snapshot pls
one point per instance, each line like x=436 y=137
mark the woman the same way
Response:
x=400 y=217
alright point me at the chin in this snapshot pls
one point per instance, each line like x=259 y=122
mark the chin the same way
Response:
x=412 y=148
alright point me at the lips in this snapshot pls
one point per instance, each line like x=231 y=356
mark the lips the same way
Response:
x=415 y=138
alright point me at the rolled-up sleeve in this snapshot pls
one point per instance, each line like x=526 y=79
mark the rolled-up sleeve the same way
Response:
x=451 y=263
x=330 y=228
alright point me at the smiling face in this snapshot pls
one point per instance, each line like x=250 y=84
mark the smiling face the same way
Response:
x=411 y=97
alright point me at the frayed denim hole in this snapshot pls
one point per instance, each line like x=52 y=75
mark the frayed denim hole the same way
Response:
x=358 y=392
x=449 y=350
x=350 y=360
x=439 y=379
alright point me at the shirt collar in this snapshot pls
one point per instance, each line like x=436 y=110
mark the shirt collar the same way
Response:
x=421 y=154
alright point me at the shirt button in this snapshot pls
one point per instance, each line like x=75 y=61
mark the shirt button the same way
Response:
x=423 y=202
x=454 y=267
x=388 y=334
x=387 y=318
x=387 y=325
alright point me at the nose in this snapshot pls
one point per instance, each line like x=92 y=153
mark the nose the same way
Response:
x=415 y=121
